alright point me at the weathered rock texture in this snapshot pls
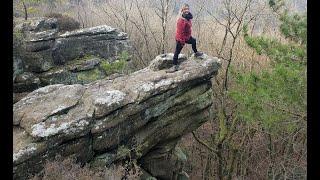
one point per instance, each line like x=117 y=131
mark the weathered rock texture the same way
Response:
x=39 y=48
x=143 y=114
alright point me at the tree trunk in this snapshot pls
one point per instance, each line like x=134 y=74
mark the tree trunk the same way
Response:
x=220 y=162
x=25 y=11
x=223 y=42
x=207 y=174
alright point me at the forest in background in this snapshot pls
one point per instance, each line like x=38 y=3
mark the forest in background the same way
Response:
x=260 y=93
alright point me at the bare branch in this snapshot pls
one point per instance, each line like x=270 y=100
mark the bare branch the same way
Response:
x=203 y=143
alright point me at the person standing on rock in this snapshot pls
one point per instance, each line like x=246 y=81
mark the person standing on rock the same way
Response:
x=183 y=36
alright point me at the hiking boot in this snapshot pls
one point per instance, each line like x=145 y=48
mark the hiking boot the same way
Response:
x=198 y=54
x=174 y=68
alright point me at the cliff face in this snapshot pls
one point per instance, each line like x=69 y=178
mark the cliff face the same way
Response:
x=143 y=114
x=40 y=49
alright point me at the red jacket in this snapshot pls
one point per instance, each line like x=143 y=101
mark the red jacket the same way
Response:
x=183 y=32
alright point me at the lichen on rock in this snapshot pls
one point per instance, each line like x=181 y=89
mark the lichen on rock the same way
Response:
x=147 y=112
x=41 y=48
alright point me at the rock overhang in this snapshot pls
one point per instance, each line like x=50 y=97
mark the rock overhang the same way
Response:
x=66 y=112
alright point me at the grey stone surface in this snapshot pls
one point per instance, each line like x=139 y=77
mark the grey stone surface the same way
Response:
x=40 y=48
x=143 y=115
x=26 y=81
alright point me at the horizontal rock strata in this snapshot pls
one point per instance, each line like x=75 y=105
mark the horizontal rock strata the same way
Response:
x=143 y=114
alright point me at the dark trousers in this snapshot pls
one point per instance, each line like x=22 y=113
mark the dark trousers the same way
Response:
x=179 y=47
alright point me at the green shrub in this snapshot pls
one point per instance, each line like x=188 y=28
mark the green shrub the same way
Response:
x=117 y=66
x=88 y=76
x=276 y=99
x=294 y=27
x=124 y=56
x=271 y=98
x=276 y=50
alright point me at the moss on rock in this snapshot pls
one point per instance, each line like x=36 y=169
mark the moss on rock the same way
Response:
x=114 y=67
x=89 y=76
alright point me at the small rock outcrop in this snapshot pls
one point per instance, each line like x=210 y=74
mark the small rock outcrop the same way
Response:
x=40 y=48
x=143 y=115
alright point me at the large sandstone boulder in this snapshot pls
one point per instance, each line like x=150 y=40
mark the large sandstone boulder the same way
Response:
x=103 y=41
x=70 y=57
x=142 y=115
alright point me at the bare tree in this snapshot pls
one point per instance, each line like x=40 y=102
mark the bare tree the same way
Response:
x=25 y=8
x=234 y=15
x=162 y=11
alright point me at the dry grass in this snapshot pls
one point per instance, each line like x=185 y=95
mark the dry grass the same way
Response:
x=68 y=169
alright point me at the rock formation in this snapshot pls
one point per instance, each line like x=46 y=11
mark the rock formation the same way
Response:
x=143 y=114
x=40 y=48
